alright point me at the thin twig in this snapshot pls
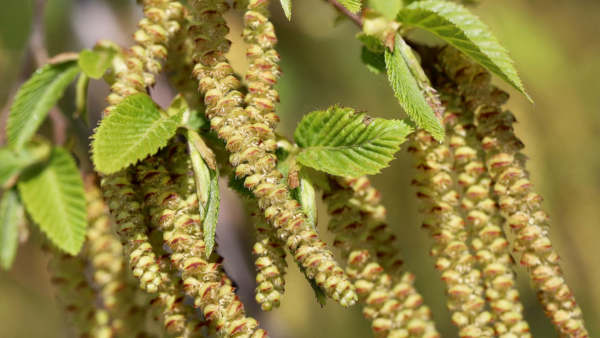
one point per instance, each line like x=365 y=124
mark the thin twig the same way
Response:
x=353 y=17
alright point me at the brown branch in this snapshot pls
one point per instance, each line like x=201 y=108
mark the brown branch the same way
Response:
x=357 y=19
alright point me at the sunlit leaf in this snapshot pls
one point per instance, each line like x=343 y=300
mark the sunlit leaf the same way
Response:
x=342 y=142
x=409 y=95
x=135 y=129
x=54 y=197
x=35 y=98
x=460 y=28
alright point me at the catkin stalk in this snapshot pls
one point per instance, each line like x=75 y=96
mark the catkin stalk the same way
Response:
x=252 y=144
x=519 y=203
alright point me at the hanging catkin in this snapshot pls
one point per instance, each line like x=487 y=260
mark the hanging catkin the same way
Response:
x=390 y=300
x=137 y=70
x=436 y=188
x=482 y=217
x=76 y=295
x=203 y=278
x=252 y=144
x=519 y=203
x=117 y=291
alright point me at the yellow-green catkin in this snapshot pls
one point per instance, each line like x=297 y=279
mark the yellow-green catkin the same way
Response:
x=390 y=300
x=117 y=291
x=436 y=187
x=269 y=260
x=482 y=217
x=252 y=143
x=263 y=70
x=203 y=278
x=519 y=203
x=180 y=63
x=76 y=295
x=161 y=21
x=124 y=203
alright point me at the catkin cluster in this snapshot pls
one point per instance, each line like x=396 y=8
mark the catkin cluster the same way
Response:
x=437 y=189
x=203 y=278
x=519 y=204
x=117 y=291
x=390 y=300
x=482 y=218
x=251 y=143
x=77 y=296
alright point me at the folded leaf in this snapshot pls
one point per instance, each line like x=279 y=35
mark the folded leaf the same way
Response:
x=35 y=98
x=287 y=8
x=95 y=62
x=54 y=197
x=342 y=142
x=135 y=129
x=409 y=94
x=207 y=189
x=11 y=216
x=460 y=28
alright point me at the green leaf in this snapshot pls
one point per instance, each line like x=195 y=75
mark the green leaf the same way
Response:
x=463 y=30
x=11 y=216
x=352 y=5
x=207 y=190
x=35 y=98
x=371 y=42
x=287 y=8
x=342 y=142
x=12 y=164
x=135 y=129
x=388 y=8
x=409 y=95
x=94 y=63
x=81 y=98
x=53 y=195
x=373 y=61
x=307 y=197
x=212 y=213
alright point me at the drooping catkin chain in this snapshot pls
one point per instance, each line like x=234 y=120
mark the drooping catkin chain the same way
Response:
x=263 y=71
x=482 y=217
x=203 y=278
x=436 y=188
x=519 y=203
x=118 y=293
x=162 y=20
x=252 y=144
x=141 y=64
x=269 y=260
x=76 y=295
x=358 y=220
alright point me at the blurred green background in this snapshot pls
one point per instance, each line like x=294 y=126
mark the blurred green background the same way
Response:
x=556 y=47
